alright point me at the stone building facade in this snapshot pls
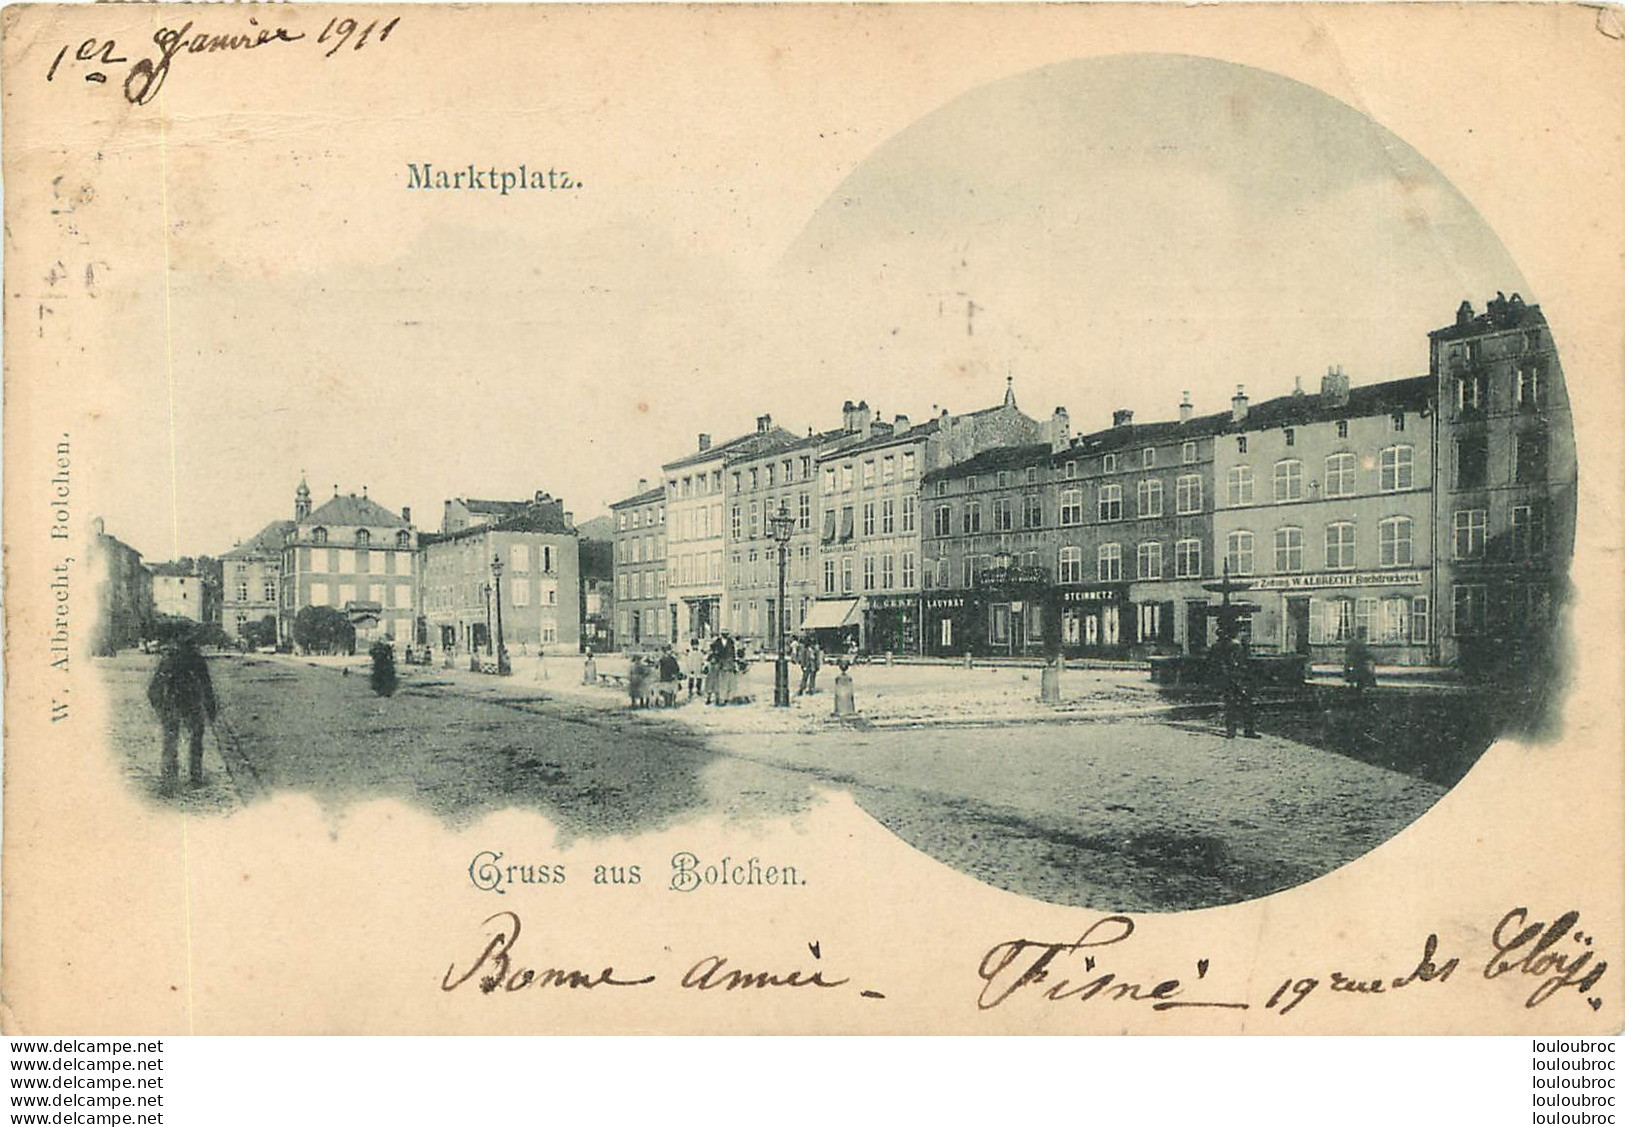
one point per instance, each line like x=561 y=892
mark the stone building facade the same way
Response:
x=352 y=554
x=642 y=617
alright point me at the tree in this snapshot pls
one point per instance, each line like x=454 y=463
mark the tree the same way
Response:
x=257 y=635
x=323 y=630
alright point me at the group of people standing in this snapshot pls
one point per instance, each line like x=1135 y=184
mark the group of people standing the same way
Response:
x=713 y=671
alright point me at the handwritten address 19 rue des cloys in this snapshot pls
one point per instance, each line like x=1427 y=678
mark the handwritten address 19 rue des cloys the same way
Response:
x=142 y=69
x=1531 y=958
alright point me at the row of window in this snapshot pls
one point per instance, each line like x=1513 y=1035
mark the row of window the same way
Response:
x=870 y=472
x=1525 y=392
x=353 y=560
x=1529 y=459
x=640 y=585
x=769 y=475
x=268 y=591
x=475 y=592
x=886 y=517
x=699 y=567
x=761 y=516
x=1396 y=473
x=884 y=572
x=400 y=597
x=648 y=548
x=641 y=518
x=1469 y=534
x=363 y=538
x=697 y=484
x=761 y=568
x=701 y=523
x=1395 y=547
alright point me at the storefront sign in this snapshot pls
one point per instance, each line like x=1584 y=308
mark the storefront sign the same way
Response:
x=1093 y=595
x=945 y=604
x=891 y=602
x=1336 y=579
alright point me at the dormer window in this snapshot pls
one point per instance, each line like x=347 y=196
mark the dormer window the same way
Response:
x=403 y=539
x=362 y=538
x=318 y=535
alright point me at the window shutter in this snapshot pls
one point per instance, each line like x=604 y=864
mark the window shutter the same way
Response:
x=1318 y=609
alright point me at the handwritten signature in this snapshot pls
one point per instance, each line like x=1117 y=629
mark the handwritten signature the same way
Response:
x=146 y=76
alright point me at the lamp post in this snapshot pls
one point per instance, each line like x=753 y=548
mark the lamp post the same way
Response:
x=782 y=525
x=503 y=668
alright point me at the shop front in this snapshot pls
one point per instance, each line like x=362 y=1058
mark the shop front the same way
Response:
x=835 y=624
x=953 y=622
x=1096 y=621
x=1319 y=614
x=891 y=624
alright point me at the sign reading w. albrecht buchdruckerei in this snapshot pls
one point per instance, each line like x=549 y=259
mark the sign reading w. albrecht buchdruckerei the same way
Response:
x=685 y=544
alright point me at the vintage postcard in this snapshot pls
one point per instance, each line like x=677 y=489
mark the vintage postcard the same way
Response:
x=919 y=519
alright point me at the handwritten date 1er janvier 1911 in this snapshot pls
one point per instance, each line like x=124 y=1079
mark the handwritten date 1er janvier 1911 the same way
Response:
x=146 y=75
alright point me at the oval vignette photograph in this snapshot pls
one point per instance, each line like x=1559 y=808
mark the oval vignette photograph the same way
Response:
x=1144 y=484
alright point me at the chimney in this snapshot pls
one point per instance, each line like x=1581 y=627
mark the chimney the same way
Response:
x=1464 y=313
x=643 y=485
x=1060 y=430
x=856 y=420
x=705 y=442
x=1185 y=408
x=1122 y=417
x=1334 y=387
x=406 y=513
x=899 y=424
x=569 y=519
x=764 y=423
x=1238 y=404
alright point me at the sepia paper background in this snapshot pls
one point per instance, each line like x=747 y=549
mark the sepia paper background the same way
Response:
x=729 y=128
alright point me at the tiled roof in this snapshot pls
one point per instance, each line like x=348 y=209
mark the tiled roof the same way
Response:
x=1146 y=434
x=534 y=518
x=998 y=458
x=647 y=497
x=492 y=508
x=353 y=510
x=267 y=541
x=1411 y=394
x=743 y=444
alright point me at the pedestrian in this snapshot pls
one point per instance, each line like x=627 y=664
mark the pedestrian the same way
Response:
x=694 y=667
x=541 y=662
x=671 y=675
x=1359 y=668
x=727 y=670
x=1231 y=656
x=182 y=693
x=713 y=671
x=637 y=682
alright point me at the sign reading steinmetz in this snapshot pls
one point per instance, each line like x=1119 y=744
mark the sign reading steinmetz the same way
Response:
x=1336 y=579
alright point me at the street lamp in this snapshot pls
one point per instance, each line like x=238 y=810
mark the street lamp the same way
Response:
x=782 y=524
x=503 y=668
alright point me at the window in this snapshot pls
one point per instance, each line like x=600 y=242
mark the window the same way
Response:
x=1291 y=435
x=755 y=519
x=1526 y=388
x=1421 y=622
x=1003 y=479
x=1032 y=511
x=829 y=479
x=1530 y=458
x=1188 y=559
x=1396 y=422
x=969 y=572
x=1467 y=528
x=908 y=569
x=1528 y=531
x=1394 y=542
x=829 y=576
x=846 y=574
x=269 y=591
x=768 y=471
x=806 y=467
x=1472 y=462
x=1288 y=481
x=970 y=483
x=869 y=473
x=1342 y=428
x=888 y=516
x=1004 y=514
x=942 y=522
x=242 y=592
x=1339 y=620
x=1188 y=493
x=362 y=538
x=942 y=488
x=868 y=573
x=1238 y=552
x=1471 y=609
x=755 y=478
x=1288 y=549
x=1241 y=444
x=846 y=478
x=908 y=513
x=868 y=518
x=318 y=536
x=888 y=571
x=908 y=463
x=519 y=557
x=846 y=522
x=1239 y=486
x=829 y=525
x=1148 y=457
x=1108 y=463
x=1148 y=560
x=1071 y=505
x=804 y=512
x=738 y=525
x=1109 y=563
x=521 y=592
x=403 y=539
x=1111 y=502
x=973 y=516
x=1398 y=468
x=1150 y=621
x=1340 y=546
x=1469 y=394
x=1187 y=453
x=1071 y=565
x=1148 y=497
x=1340 y=475
x=888 y=469
x=1071 y=471
x=1032 y=475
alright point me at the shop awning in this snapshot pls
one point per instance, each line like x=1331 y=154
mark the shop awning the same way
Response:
x=830 y=614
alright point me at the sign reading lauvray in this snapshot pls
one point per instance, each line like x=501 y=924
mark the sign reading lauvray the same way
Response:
x=1336 y=579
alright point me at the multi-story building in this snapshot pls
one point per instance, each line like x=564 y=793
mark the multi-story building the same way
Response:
x=870 y=534
x=1136 y=543
x=596 y=538
x=463 y=512
x=252 y=577
x=356 y=556
x=1326 y=509
x=641 y=612
x=122 y=588
x=1505 y=479
x=519 y=572
x=758 y=484
x=178 y=591
x=696 y=582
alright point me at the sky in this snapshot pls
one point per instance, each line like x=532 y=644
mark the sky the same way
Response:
x=1109 y=232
